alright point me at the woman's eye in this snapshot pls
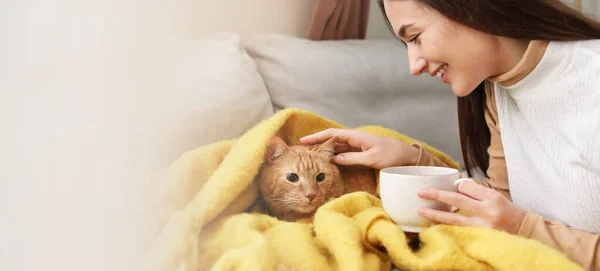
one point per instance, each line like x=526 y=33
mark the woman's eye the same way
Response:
x=415 y=39
x=292 y=177
x=320 y=177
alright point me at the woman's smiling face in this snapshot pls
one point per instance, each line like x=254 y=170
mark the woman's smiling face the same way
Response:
x=458 y=55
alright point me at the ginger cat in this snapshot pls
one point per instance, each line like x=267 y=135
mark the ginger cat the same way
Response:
x=296 y=180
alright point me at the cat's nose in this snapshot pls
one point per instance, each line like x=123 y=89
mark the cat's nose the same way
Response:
x=311 y=196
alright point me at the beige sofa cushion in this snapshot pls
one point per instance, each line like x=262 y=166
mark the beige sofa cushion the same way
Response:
x=220 y=94
x=357 y=82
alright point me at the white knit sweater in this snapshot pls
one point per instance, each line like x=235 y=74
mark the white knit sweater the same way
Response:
x=550 y=129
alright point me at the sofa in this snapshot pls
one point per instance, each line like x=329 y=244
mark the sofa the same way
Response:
x=94 y=111
x=353 y=82
x=222 y=85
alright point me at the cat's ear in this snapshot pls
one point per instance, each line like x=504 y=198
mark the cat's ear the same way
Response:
x=276 y=148
x=327 y=146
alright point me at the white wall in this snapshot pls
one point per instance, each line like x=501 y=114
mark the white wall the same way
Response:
x=200 y=17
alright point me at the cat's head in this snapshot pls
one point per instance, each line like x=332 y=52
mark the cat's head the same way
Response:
x=296 y=180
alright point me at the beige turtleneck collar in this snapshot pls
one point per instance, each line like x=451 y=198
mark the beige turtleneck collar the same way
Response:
x=533 y=55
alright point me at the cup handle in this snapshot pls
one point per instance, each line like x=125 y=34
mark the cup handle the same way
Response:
x=455 y=184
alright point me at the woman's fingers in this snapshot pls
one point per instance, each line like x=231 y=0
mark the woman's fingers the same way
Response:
x=488 y=207
x=474 y=190
x=320 y=137
x=457 y=200
x=349 y=145
x=344 y=147
x=354 y=158
x=447 y=217
x=351 y=137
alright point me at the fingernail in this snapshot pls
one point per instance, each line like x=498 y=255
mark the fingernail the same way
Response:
x=421 y=211
x=423 y=193
x=339 y=158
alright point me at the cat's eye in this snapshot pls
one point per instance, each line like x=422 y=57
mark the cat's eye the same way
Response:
x=292 y=177
x=320 y=177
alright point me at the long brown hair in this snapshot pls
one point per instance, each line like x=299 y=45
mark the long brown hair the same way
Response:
x=549 y=20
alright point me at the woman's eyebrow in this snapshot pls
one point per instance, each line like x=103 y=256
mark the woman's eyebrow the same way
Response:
x=402 y=30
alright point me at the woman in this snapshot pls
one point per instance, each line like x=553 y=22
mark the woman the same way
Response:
x=527 y=77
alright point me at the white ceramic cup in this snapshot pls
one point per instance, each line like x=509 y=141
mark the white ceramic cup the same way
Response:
x=399 y=188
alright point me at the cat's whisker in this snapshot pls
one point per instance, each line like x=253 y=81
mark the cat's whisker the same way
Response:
x=282 y=200
x=284 y=204
x=275 y=200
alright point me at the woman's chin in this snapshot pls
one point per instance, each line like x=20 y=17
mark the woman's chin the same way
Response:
x=461 y=90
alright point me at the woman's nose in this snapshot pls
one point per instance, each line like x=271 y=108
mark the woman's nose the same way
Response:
x=416 y=61
x=417 y=66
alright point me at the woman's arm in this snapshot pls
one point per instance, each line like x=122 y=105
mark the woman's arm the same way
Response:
x=496 y=172
x=580 y=246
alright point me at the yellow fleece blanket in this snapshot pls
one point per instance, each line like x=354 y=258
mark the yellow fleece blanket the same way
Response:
x=212 y=221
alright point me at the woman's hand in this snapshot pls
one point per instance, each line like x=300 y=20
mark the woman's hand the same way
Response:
x=361 y=148
x=488 y=208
